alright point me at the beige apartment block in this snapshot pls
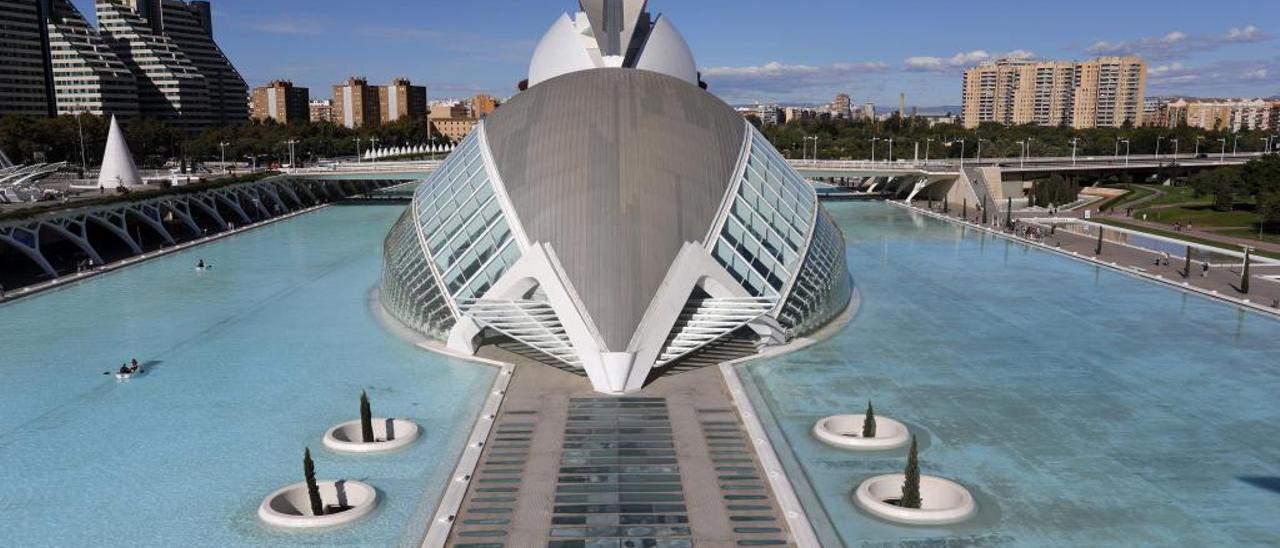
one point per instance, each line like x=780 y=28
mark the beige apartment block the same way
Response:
x=356 y=103
x=401 y=99
x=281 y=101
x=454 y=128
x=1108 y=91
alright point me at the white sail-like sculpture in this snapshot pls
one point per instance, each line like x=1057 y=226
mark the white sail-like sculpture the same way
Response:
x=118 y=168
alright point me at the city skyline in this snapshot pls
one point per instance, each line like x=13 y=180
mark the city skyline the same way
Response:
x=798 y=55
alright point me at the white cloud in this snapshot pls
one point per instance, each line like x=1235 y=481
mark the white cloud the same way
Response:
x=960 y=60
x=1177 y=44
x=1245 y=34
x=1221 y=78
x=781 y=81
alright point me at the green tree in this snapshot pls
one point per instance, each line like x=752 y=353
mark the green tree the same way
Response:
x=313 y=490
x=869 y=423
x=1221 y=184
x=366 y=419
x=911 y=485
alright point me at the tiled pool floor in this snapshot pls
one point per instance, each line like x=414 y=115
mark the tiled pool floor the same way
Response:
x=1083 y=407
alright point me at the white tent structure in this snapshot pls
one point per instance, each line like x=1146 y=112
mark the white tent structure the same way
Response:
x=118 y=168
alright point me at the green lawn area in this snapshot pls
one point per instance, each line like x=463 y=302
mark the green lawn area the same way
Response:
x=1201 y=216
x=1184 y=236
x=1178 y=195
x=1136 y=192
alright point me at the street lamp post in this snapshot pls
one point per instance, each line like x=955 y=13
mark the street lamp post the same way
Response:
x=1158 y=139
x=890 y=149
x=357 y=142
x=1175 y=150
x=222 y=146
x=84 y=162
x=805 y=154
x=373 y=145
x=1235 y=145
x=293 y=159
x=1075 y=142
x=979 y=158
x=1126 y=151
x=873 y=148
x=1198 y=139
x=927 y=143
x=1223 y=158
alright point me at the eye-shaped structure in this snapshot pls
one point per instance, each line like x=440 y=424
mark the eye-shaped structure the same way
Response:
x=615 y=219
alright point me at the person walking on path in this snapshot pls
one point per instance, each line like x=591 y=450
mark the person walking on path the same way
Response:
x=1204 y=269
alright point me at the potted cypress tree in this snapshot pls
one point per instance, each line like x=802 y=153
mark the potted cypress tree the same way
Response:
x=911 y=484
x=313 y=490
x=869 y=423
x=366 y=419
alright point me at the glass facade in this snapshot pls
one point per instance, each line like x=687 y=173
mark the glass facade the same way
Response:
x=456 y=227
x=409 y=291
x=466 y=234
x=764 y=236
x=824 y=286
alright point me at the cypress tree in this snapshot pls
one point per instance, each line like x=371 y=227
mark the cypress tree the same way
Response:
x=1244 y=274
x=1186 y=269
x=869 y=423
x=1098 y=249
x=366 y=419
x=911 y=487
x=1008 y=214
x=984 y=211
x=964 y=209
x=313 y=490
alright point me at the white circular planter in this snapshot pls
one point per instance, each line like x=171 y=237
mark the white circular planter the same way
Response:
x=942 y=501
x=290 y=507
x=845 y=431
x=390 y=434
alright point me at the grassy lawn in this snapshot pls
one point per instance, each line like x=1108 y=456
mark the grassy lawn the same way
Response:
x=1201 y=216
x=1182 y=236
x=1178 y=195
x=1136 y=192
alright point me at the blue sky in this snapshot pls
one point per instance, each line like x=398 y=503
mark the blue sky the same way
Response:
x=799 y=51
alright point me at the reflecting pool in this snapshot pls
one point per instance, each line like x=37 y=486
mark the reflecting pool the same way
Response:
x=249 y=362
x=1082 y=407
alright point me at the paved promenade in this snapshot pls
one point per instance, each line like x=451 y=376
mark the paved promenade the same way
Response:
x=1221 y=281
x=565 y=467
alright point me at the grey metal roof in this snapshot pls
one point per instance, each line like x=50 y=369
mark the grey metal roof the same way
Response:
x=616 y=169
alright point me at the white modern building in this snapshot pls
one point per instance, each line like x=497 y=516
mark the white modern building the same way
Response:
x=615 y=218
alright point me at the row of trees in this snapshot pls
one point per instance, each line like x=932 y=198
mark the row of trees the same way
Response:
x=154 y=143
x=1256 y=184
x=853 y=140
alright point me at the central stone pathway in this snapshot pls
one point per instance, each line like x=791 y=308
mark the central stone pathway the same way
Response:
x=670 y=467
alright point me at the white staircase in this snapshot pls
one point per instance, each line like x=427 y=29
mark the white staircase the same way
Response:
x=703 y=321
x=533 y=323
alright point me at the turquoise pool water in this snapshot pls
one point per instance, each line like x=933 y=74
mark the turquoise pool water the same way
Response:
x=1082 y=407
x=251 y=362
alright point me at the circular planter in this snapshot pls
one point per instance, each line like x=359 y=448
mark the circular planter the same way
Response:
x=845 y=431
x=290 y=507
x=942 y=501
x=390 y=434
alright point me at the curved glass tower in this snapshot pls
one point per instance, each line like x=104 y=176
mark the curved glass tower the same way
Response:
x=615 y=218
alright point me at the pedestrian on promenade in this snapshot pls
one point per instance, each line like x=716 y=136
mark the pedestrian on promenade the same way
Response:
x=1164 y=258
x=1204 y=269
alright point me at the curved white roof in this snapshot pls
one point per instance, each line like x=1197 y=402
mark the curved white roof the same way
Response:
x=599 y=38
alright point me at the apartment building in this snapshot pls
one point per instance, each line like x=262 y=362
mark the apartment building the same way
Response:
x=182 y=75
x=1103 y=92
x=401 y=99
x=356 y=103
x=454 y=128
x=190 y=26
x=1218 y=114
x=282 y=102
x=321 y=111
x=483 y=105
x=26 y=88
x=88 y=77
